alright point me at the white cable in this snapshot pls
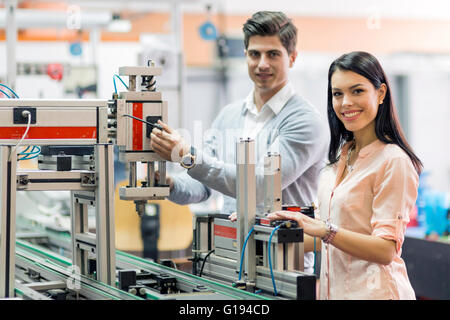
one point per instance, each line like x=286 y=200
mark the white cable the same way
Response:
x=28 y=114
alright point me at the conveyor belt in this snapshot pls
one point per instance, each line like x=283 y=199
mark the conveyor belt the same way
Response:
x=56 y=267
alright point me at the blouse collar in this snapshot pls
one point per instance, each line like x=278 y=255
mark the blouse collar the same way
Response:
x=367 y=150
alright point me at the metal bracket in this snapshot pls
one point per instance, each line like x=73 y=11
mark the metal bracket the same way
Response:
x=88 y=179
x=22 y=181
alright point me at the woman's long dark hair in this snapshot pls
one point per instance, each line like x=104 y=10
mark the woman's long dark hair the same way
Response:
x=387 y=125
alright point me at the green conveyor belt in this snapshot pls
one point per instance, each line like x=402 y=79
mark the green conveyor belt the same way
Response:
x=53 y=263
x=26 y=250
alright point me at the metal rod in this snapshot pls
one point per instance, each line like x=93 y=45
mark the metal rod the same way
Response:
x=150 y=174
x=133 y=175
x=146 y=122
x=132 y=83
x=162 y=172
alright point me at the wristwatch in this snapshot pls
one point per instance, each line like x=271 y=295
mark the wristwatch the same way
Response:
x=188 y=160
x=331 y=232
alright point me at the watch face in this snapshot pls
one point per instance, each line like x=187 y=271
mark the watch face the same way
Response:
x=187 y=160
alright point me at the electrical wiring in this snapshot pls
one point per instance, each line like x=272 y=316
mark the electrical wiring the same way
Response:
x=28 y=157
x=270 y=259
x=243 y=251
x=28 y=114
x=9 y=97
x=34 y=153
x=114 y=81
x=146 y=122
x=25 y=151
x=204 y=260
x=5 y=86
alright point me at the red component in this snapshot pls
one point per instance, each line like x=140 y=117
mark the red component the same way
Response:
x=49 y=133
x=137 y=126
x=224 y=231
x=55 y=71
x=293 y=208
x=264 y=222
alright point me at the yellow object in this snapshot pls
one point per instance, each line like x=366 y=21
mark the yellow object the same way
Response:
x=175 y=225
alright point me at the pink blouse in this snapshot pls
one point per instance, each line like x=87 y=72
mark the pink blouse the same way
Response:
x=373 y=199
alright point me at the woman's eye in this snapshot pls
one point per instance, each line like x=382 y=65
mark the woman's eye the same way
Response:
x=336 y=94
x=358 y=91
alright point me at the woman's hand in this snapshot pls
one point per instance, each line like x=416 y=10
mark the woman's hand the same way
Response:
x=233 y=216
x=312 y=227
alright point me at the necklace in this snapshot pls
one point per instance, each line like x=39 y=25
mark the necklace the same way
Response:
x=349 y=167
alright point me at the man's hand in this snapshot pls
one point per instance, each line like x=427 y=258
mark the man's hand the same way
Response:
x=168 y=143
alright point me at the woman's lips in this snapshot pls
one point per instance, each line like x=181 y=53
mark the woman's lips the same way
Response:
x=351 y=115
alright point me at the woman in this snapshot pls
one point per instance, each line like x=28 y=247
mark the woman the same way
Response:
x=367 y=190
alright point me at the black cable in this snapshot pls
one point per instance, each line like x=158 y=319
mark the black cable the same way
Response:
x=204 y=260
x=146 y=122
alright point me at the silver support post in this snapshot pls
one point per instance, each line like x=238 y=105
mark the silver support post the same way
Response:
x=246 y=205
x=105 y=232
x=162 y=172
x=7 y=220
x=11 y=43
x=132 y=83
x=80 y=226
x=272 y=183
x=150 y=174
x=132 y=175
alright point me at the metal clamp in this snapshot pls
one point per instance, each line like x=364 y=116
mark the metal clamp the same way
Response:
x=88 y=179
x=22 y=181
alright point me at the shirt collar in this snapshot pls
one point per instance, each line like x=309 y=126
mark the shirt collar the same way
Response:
x=276 y=103
x=370 y=148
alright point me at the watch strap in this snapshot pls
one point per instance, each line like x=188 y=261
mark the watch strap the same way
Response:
x=331 y=232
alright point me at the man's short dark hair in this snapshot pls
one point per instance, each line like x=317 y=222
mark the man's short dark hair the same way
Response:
x=270 y=23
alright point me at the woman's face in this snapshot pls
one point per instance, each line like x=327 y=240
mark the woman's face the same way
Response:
x=356 y=101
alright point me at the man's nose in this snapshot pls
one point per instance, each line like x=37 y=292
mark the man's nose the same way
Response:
x=263 y=63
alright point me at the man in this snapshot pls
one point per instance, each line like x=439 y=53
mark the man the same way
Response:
x=273 y=115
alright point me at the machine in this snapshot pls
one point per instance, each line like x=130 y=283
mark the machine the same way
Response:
x=253 y=253
x=76 y=140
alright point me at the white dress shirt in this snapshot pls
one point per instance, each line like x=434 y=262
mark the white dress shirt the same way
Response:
x=254 y=121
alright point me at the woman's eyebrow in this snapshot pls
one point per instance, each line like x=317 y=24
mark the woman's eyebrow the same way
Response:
x=352 y=87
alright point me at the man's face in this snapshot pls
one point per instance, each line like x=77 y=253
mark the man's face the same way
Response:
x=268 y=62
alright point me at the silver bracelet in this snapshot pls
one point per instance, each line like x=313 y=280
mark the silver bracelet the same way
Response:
x=331 y=232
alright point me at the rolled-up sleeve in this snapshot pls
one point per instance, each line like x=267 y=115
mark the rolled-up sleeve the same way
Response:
x=395 y=194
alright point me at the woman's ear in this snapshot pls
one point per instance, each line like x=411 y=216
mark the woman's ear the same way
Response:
x=382 y=93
